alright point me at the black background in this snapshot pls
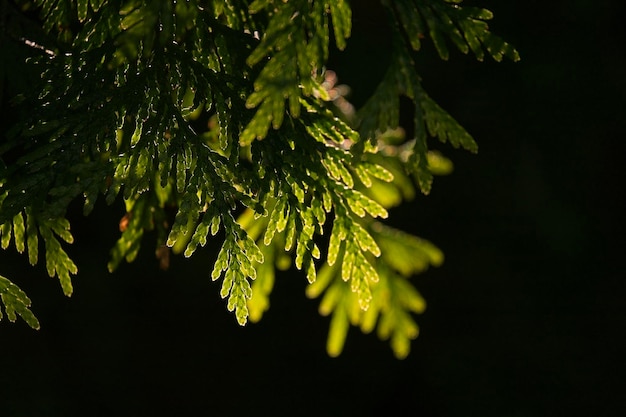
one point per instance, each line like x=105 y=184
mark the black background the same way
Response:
x=524 y=319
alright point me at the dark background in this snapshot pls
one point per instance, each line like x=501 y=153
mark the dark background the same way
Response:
x=524 y=319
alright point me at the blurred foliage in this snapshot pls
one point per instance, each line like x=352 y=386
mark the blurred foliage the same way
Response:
x=210 y=117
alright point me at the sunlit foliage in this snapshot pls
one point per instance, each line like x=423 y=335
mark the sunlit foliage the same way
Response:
x=221 y=112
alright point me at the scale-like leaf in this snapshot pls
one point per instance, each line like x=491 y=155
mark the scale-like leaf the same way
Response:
x=337 y=332
x=337 y=236
x=57 y=261
x=82 y=7
x=342 y=21
x=19 y=231
x=32 y=238
x=6 y=230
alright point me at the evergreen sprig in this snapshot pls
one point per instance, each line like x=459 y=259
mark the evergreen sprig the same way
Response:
x=215 y=119
x=16 y=302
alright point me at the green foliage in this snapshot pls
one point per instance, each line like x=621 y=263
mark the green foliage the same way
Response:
x=466 y=27
x=16 y=301
x=215 y=118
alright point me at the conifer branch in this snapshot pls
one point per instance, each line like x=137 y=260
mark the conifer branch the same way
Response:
x=221 y=114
